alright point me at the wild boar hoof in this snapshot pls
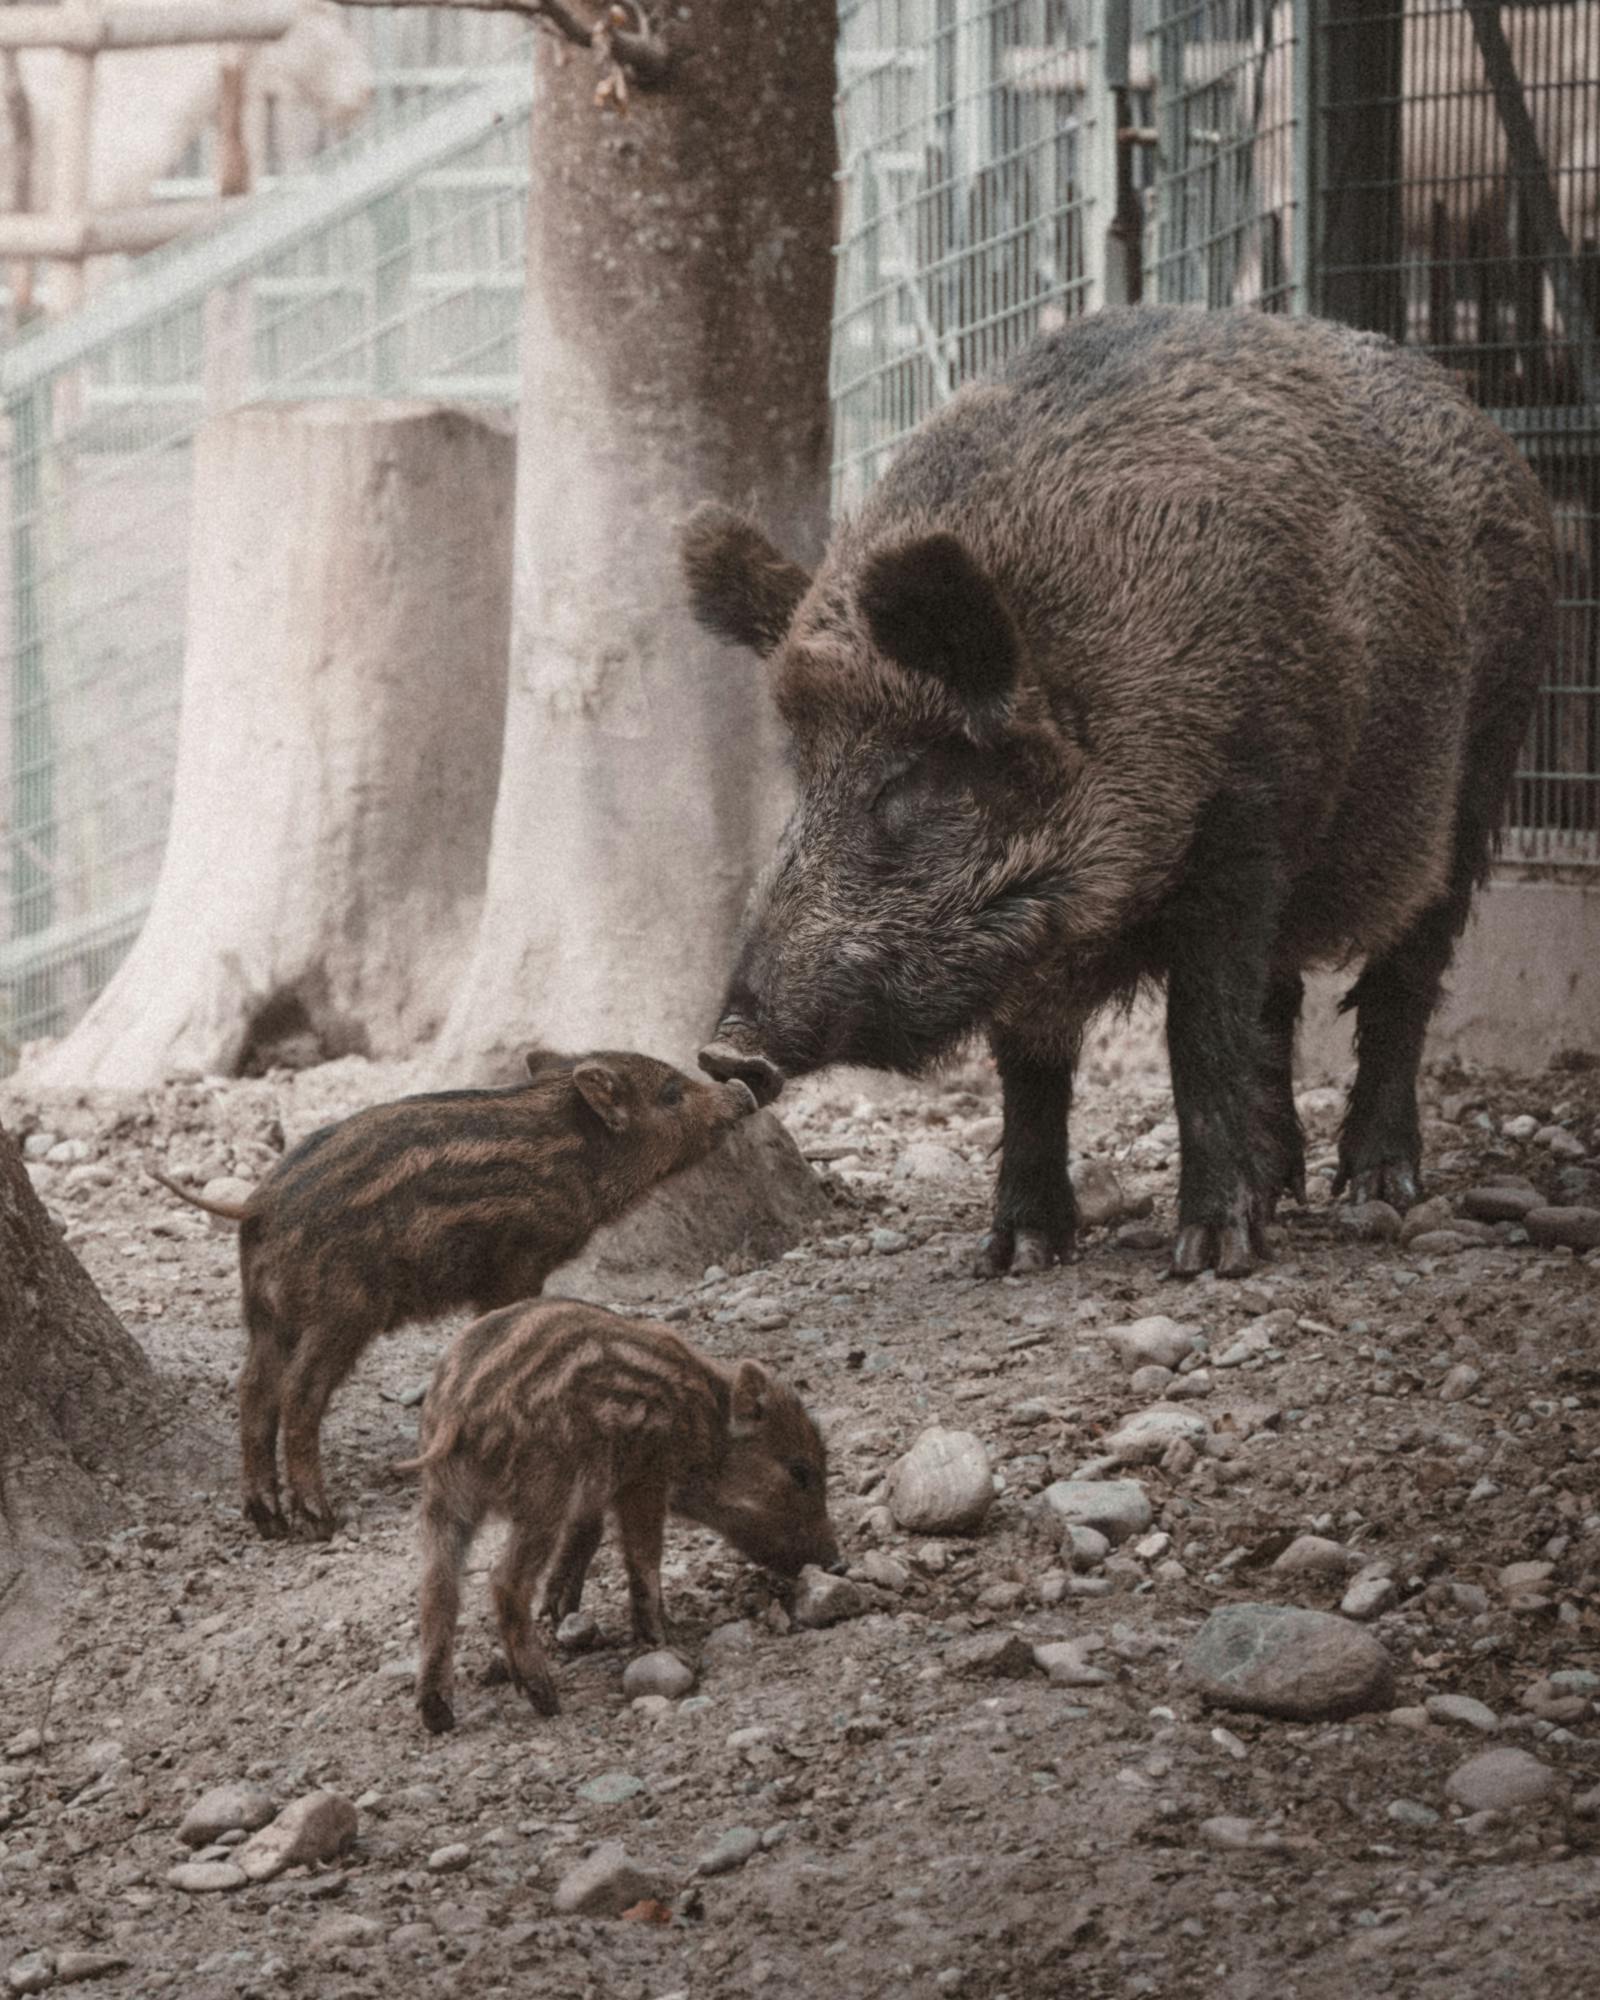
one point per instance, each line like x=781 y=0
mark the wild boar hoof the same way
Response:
x=1017 y=1253
x=1394 y=1181
x=495 y=1672
x=437 y=1714
x=1227 y=1249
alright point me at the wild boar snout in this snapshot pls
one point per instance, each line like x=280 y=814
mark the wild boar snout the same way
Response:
x=728 y=1063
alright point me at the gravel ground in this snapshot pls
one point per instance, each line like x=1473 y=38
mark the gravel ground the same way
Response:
x=905 y=1801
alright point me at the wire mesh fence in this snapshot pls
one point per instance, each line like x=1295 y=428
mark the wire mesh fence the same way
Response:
x=1428 y=168
x=392 y=270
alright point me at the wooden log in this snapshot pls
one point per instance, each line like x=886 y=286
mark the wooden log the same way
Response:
x=105 y=232
x=338 y=745
x=89 y=29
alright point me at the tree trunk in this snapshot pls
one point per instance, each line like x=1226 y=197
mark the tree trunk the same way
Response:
x=676 y=349
x=344 y=693
x=79 y=1398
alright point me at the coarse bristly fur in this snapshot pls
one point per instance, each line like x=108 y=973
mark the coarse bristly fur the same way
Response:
x=412 y=1209
x=555 y=1416
x=1192 y=647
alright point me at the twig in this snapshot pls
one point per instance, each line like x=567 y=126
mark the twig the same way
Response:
x=554 y=13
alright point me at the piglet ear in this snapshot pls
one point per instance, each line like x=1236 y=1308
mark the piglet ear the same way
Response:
x=740 y=587
x=933 y=610
x=602 y=1090
x=751 y=1387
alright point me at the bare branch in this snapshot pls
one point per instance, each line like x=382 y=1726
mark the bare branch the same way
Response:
x=554 y=13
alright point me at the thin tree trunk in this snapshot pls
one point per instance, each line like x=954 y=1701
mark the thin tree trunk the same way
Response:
x=676 y=349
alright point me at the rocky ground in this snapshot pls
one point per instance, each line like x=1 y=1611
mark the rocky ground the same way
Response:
x=997 y=1772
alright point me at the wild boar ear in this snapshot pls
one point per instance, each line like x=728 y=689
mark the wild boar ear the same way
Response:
x=740 y=587
x=751 y=1387
x=933 y=611
x=602 y=1090
x=537 y=1062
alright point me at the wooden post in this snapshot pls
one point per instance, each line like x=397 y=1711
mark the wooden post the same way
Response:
x=69 y=197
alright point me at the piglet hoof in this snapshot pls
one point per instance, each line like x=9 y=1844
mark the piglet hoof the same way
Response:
x=266 y=1517
x=317 y=1524
x=540 y=1690
x=437 y=1714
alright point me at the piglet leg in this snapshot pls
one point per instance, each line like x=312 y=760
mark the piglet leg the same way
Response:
x=512 y=1585
x=445 y=1541
x=641 y=1520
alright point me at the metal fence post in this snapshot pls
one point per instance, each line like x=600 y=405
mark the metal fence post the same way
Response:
x=1112 y=249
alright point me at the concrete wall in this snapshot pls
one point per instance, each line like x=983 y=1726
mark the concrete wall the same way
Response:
x=1525 y=984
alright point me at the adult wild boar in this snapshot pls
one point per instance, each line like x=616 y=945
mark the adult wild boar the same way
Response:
x=1190 y=647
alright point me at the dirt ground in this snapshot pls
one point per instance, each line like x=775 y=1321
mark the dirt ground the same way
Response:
x=921 y=1831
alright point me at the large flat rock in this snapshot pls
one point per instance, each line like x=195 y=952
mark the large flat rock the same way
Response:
x=754 y=1198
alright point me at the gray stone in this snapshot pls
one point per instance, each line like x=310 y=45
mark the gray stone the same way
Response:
x=929 y=1160
x=1553 y=1704
x=735 y=1635
x=451 y=1859
x=1367 y=1596
x=1500 y=1204
x=1097 y=1193
x=1086 y=1546
x=605 y=1884
x=32 y=1972
x=1459 y=1383
x=1518 y=1578
x=1227 y=1831
x=1408 y=1812
x=1426 y=1218
x=991 y=1656
x=1063 y=1661
x=1438 y=1242
x=202 y=1877
x=1579 y=1228
x=889 y=1242
x=1498 y=1780
x=314 y=1828
x=884 y=1571
x=1152 y=1380
x=661 y=1673
x=1554 y=1138
x=1272 y=1659
x=1155 y=1340
x=1369 y=1221
x=577 y=1632
x=75 y=1966
x=821 y=1599
x=1117 y=1507
x=753 y=1198
x=610 y=1788
x=1143 y=1439
x=1315 y=1555
x=222 y=1810
x=341 y=1931
x=731 y=1850
x=1462 y=1708
x=943 y=1485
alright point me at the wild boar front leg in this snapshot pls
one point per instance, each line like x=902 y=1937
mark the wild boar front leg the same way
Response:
x=321 y=1361
x=562 y=1593
x=260 y=1393
x=1035 y=1218
x=641 y=1522
x=1219 y=938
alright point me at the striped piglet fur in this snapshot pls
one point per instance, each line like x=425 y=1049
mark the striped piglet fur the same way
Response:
x=556 y=1415
x=410 y=1210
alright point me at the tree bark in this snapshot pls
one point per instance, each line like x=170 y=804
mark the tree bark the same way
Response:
x=344 y=691
x=676 y=349
x=79 y=1399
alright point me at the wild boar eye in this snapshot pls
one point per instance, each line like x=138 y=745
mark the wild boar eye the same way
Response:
x=802 y=1475
x=671 y=1092
x=889 y=785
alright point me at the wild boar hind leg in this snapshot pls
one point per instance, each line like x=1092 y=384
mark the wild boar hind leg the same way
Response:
x=512 y=1583
x=1035 y=1218
x=641 y=1522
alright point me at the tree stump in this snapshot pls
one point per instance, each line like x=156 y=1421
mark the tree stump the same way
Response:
x=79 y=1400
x=338 y=748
